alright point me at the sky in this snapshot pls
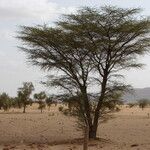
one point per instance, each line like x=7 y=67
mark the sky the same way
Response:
x=14 y=70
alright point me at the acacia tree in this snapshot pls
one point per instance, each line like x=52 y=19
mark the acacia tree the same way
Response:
x=24 y=94
x=88 y=47
x=41 y=100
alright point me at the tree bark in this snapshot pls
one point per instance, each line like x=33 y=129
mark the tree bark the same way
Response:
x=92 y=132
x=86 y=138
x=93 y=129
x=87 y=106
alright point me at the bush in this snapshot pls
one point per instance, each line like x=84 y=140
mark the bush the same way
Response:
x=66 y=112
x=61 y=108
x=5 y=101
x=42 y=106
x=51 y=114
x=118 y=109
x=131 y=105
x=143 y=103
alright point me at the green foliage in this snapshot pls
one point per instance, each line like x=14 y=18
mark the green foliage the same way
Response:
x=5 y=101
x=24 y=94
x=113 y=99
x=49 y=102
x=143 y=103
x=40 y=97
x=16 y=102
x=89 y=47
x=42 y=106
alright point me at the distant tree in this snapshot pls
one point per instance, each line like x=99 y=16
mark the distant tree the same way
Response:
x=24 y=94
x=5 y=101
x=16 y=102
x=1 y=102
x=40 y=97
x=31 y=101
x=89 y=47
x=49 y=102
x=143 y=103
x=131 y=105
x=113 y=100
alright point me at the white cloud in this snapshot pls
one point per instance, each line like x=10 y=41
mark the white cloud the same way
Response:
x=31 y=10
x=19 y=12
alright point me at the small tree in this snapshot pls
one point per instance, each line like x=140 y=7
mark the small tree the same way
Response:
x=5 y=101
x=49 y=102
x=1 y=102
x=16 y=102
x=42 y=106
x=41 y=100
x=24 y=94
x=143 y=103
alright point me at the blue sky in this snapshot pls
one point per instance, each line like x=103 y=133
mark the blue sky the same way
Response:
x=13 y=67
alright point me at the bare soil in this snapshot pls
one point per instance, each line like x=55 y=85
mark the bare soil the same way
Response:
x=129 y=129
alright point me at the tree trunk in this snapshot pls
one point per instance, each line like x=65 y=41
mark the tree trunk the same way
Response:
x=92 y=133
x=93 y=128
x=86 y=106
x=86 y=137
x=24 y=109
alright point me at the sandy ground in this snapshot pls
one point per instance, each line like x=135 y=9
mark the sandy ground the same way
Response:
x=129 y=129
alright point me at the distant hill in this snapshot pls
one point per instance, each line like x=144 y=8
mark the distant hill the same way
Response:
x=137 y=94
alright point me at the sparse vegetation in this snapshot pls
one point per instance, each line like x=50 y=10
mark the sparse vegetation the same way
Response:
x=143 y=103
x=41 y=97
x=131 y=105
x=24 y=94
x=60 y=108
x=49 y=102
x=5 y=102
